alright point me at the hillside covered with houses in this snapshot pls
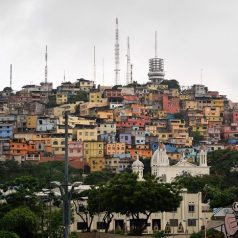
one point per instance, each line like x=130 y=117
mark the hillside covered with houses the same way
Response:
x=109 y=126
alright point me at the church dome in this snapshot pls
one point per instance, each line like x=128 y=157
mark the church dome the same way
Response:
x=137 y=164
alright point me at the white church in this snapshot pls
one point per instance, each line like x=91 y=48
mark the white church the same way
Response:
x=161 y=169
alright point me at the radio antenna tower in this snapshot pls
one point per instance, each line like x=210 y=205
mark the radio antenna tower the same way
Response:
x=117 y=60
x=11 y=76
x=46 y=67
x=94 y=65
x=156 y=54
x=103 y=72
x=128 y=63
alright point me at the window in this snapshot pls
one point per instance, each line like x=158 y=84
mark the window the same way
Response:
x=101 y=225
x=191 y=208
x=191 y=222
x=173 y=222
x=81 y=225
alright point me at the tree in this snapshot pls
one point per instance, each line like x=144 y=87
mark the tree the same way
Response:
x=20 y=220
x=197 y=137
x=8 y=234
x=98 y=177
x=124 y=194
x=173 y=83
x=83 y=210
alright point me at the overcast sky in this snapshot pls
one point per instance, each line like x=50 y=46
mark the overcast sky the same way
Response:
x=192 y=35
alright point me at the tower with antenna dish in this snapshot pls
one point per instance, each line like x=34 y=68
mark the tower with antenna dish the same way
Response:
x=128 y=63
x=46 y=67
x=117 y=56
x=156 y=67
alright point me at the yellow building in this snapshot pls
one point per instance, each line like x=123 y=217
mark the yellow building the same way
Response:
x=85 y=85
x=202 y=129
x=31 y=122
x=115 y=148
x=212 y=114
x=190 y=104
x=58 y=143
x=59 y=111
x=152 y=129
x=204 y=103
x=218 y=102
x=85 y=133
x=96 y=164
x=61 y=98
x=74 y=120
x=105 y=114
x=85 y=107
x=177 y=127
x=161 y=114
x=180 y=136
x=93 y=149
x=95 y=96
x=164 y=136
x=184 y=97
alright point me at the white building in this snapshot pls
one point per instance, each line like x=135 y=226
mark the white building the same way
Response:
x=189 y=217
x=161 y=169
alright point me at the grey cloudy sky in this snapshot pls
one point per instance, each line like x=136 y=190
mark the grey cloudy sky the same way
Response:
x=192 y=35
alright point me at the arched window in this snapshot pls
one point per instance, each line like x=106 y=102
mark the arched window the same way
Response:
x=55 y=142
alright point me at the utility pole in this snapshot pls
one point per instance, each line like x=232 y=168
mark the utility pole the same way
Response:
x=66 y=183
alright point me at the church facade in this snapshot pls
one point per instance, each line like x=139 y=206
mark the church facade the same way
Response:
x=161 y=169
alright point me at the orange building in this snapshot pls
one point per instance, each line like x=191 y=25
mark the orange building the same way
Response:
x=115 y=148
x=143 y=153
x=21 y=147
x=96 y=163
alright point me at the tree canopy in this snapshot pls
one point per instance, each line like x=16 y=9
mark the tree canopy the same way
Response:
x=20 y=220
x=124 y=194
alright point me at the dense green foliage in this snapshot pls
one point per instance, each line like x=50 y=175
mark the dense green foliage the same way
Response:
x=20 y=220
x=80 y=96
x=173 y=83
x=221 y=187
x=8 y=234
x=45 y=172
x=99 y=177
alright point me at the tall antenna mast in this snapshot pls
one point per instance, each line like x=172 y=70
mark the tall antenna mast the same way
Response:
x=128 y=63
x=46 y=67
x=11 y=76
x=64 y=75
x=131 y=73
x=156 y=55
x=117 y=60
x=94 y=65
x=103 y=72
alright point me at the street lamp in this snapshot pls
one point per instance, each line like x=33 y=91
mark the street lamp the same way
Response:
x=66 y=191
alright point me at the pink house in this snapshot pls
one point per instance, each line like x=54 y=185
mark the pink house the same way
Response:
x=235 y=116
x=170 y=104
x=75 y=154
